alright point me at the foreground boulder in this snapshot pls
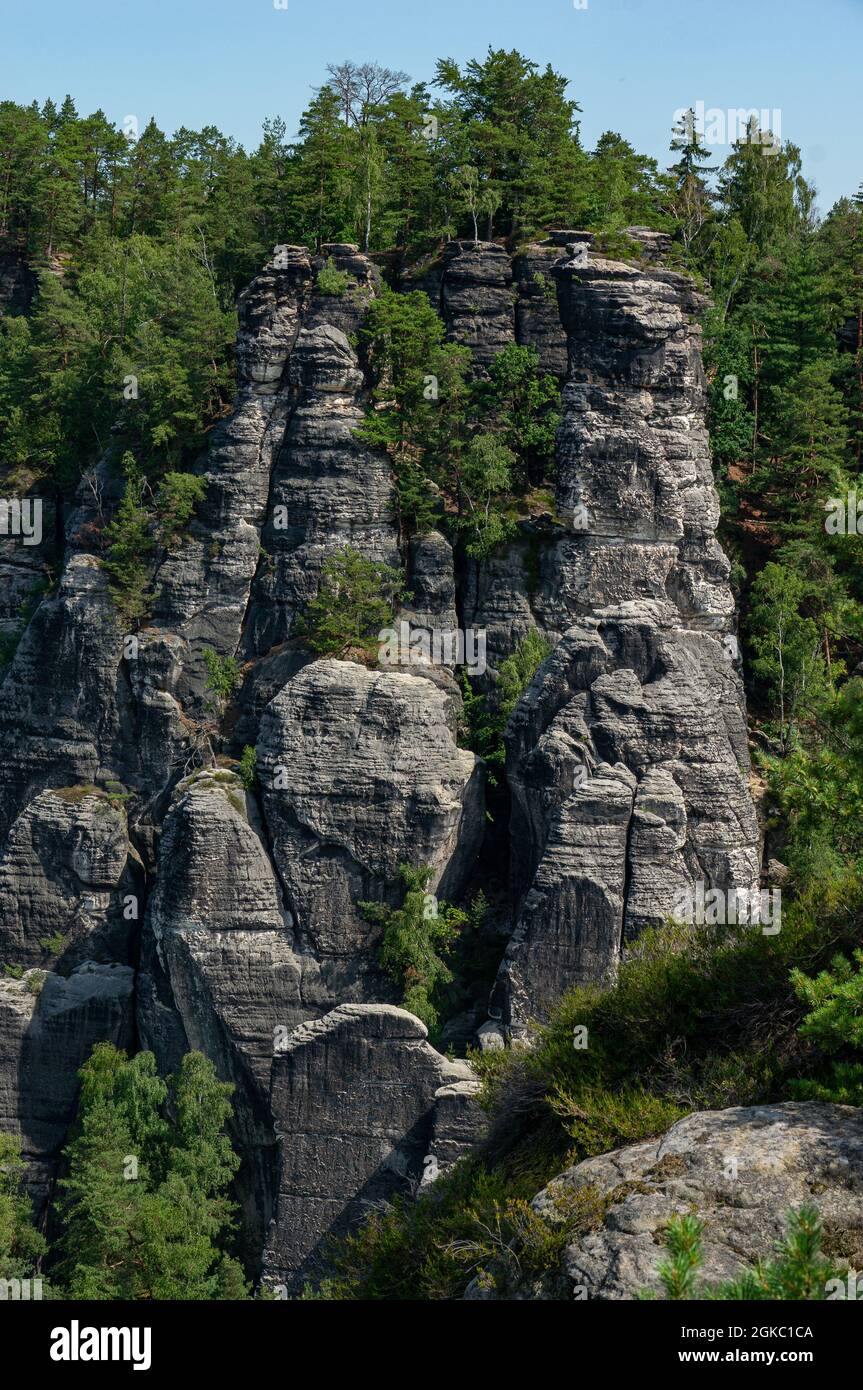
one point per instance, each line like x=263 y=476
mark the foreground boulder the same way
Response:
x=740 y=1170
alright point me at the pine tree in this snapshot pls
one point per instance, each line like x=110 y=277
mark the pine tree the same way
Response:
x=145 y=1209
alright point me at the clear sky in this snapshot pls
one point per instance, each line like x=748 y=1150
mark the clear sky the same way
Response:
x=631 y=63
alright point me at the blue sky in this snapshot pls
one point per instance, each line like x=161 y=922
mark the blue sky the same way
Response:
x=631 y=63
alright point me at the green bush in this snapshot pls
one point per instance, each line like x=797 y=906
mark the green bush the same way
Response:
x=247 y=768
x=223 y=677
x=484 y=718
x=332 y=281
x=835 y=1024
x=129 y=543
x=417 y=938
x=797 y=1272
x=177 y=496
x=353 y=605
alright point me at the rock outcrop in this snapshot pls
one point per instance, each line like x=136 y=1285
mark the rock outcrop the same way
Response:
x=355 y=1096
x=361 y=773
x=742 y=1170
x=152 y=896
x=627 y=756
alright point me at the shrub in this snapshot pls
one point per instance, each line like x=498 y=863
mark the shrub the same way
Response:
x=797 y=1272
x=484 y=719
x=353 y=605
x=834 y=1023
x=223 y=677
x=331 y=281
x=247 y=768
x=417 y=938
x=176 y=499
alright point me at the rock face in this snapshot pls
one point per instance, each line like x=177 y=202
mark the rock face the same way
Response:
x=327 y=490
x=172 y=904
x=355 y=1097
x=742 y=1170
x=627 y=756
x=65 y=873
x=48 y=1027
x=362 y=773
x=476 y=298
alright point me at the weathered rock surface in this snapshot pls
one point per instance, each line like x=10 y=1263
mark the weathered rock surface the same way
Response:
x=327 y=489
x=477 y=302
x=627 y=756
x=65 y=873
x=355 y=1097
x=361 y=772
x=48 y=1027
x=742 y=1170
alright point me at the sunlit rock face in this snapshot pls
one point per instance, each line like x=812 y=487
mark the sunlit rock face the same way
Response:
x=185 y=906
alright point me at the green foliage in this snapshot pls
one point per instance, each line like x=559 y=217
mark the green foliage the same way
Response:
x=354 y=604
x=129 y=543
x=835 y=1024
x=416 y=941
x=787 y=646
x=21 y=1245
x=523 y=403
x=177 y=496
x=247 y=768
x=420 y=394
x=145 y=1210
x=485 y=718
x=223 y=677
x=797 y=1272
x=678 y=1273
x=331 y=281
x=699 y=1018
x=486 y=476
x=475 y=446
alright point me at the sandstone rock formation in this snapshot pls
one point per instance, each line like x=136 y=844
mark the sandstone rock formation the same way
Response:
x=741 y=1169
x=361 y=772
x=364 y=1073
x=174 y=905
x=627 y=757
